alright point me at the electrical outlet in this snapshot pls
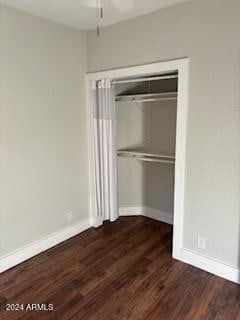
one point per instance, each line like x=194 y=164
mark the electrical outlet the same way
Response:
x=201 y=242
x=69 y=216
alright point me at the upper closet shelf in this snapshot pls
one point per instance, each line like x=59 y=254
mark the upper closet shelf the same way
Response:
x=145 y=156
x=164 y=96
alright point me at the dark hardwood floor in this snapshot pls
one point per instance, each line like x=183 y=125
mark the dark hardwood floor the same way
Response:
x=122 y=270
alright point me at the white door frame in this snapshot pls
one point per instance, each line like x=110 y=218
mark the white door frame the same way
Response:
x=182 y=66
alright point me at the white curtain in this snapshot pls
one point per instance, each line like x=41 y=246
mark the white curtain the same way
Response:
x=104 y=139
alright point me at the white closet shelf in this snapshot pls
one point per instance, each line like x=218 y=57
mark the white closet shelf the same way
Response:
x=146 y=156
x=164 y=96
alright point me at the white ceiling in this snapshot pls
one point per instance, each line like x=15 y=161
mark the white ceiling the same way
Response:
x=82 y=13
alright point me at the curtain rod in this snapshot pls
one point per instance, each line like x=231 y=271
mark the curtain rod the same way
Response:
x=145 y=79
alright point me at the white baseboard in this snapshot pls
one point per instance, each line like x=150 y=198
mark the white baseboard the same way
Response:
x=147 y=212
x=97 y=222
x=34 y=248
x=207 y=264
x=131 y=211
x=202 y=262
x=159 y=215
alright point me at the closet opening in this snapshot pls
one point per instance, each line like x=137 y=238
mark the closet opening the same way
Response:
x=146 y=110
x=150 y=103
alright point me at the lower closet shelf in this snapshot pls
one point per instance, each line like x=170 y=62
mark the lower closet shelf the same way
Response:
x=145 y=156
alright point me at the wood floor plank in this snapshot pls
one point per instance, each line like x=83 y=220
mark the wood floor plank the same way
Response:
x=121 y=271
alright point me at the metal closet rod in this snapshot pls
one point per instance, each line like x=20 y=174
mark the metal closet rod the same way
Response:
x=145 y=79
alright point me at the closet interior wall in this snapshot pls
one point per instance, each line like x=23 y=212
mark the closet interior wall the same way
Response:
x=149 y=126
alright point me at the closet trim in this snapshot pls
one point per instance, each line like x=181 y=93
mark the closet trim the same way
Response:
x=182 y=67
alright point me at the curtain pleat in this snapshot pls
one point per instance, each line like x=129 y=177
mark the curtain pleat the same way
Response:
x=105 y=161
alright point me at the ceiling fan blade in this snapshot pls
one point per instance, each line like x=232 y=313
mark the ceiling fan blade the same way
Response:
x=89 y=3
x=121 y=5
x=124 y=5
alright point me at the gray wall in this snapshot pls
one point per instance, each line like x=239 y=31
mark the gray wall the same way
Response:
x=158 y=178
x=150 y=127
x=43 y=128
x=130 y=134
x=206 y=31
